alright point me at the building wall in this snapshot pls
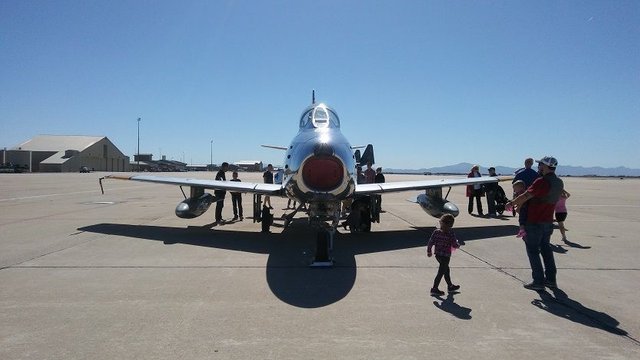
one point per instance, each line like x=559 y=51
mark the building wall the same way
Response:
x=101 y=156
x=20 y=157
x=257 y=166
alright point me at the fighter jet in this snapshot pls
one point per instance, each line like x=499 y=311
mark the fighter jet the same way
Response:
x=320 y=174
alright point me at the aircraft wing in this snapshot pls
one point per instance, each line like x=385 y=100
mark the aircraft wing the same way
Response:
x=236 y=186
x=277 y=147
x=379 y=188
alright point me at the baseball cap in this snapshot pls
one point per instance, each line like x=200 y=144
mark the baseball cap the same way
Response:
x=550 y=161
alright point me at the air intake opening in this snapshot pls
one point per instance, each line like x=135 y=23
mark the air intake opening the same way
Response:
x=322 y=173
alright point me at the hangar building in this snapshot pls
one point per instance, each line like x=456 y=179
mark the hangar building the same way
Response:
x=249 y=165
x=61 y=153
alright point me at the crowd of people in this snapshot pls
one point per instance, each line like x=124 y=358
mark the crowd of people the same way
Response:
x=269 y=176
x=537 y=197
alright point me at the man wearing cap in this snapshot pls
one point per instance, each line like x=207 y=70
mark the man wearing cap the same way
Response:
x=542 y=196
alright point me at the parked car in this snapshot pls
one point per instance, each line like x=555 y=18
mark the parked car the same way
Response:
x=13 y=168
x=84 y=169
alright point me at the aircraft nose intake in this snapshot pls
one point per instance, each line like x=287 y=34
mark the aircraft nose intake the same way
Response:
x=322 y=173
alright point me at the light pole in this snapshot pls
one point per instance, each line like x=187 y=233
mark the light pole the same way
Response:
x=211 y=160
x=139 y=144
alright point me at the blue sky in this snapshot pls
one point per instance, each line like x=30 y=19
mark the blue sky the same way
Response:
x=429 y=83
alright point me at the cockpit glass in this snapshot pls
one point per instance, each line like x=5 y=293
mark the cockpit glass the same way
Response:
x=319 y=117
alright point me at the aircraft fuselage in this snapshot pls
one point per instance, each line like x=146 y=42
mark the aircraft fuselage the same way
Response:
x=319 y=164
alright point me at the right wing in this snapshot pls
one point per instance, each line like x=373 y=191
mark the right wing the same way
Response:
x=379 y=188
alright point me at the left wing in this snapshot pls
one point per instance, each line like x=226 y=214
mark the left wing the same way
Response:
x=275 y=147
x=379 y=188
x=238 y=186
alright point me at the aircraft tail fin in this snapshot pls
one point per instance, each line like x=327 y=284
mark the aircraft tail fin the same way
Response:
x=367 y=156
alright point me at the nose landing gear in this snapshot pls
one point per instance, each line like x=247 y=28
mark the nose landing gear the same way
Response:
x=320 y=214
x=324 y=246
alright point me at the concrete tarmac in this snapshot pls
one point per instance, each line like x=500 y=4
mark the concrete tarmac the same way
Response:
x=119 y=276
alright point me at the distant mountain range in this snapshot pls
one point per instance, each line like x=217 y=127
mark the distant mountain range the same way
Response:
x=464 y=168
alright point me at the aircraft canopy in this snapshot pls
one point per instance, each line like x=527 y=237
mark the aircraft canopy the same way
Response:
x=318 y=117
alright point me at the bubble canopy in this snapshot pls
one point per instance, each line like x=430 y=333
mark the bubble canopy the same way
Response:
x=319 y=116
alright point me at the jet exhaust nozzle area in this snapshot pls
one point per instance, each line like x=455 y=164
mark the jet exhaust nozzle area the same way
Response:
x=194 y=206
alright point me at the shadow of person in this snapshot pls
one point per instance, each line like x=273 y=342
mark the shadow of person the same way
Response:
x=575 y=245
x=472 y=233
x=558 y=249
x=561 y=305
x=452 y=308
x=503 y=217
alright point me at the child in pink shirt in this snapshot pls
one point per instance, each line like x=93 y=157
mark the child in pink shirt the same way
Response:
x=444 y=240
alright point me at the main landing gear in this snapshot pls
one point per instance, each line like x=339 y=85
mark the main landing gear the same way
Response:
x=364 y=211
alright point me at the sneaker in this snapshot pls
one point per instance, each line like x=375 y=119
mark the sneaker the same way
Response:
x=550 y=284
x=453 y=288
x=436 y=292
x=534 y=286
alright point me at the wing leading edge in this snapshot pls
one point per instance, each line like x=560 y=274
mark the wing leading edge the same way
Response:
x=238 y=186
x=379 y=188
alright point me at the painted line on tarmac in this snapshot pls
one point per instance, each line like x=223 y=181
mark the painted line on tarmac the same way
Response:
x=600 y=205
x=63 y=194
x=48 y=195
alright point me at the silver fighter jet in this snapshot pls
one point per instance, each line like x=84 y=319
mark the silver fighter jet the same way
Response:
x=320 y=174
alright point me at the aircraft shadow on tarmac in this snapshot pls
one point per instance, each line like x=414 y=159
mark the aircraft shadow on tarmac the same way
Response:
x=562 y=306
x=290 y=252
x=477 y=232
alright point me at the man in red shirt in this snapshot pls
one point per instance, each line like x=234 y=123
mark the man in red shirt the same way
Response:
x=369 y=174
x=541 y=196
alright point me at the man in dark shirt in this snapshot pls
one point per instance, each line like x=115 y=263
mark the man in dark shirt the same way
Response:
x=542 y=196
x=268 y=179
x=236 y=199
x=360 y=179
x=379 y=178
x=490 y=190
x=220 y=194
